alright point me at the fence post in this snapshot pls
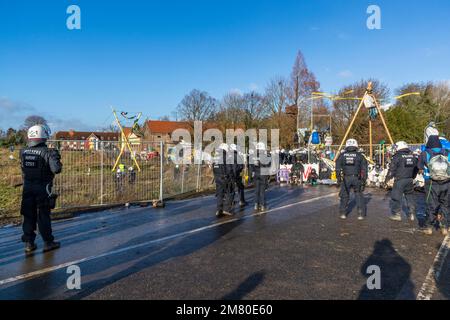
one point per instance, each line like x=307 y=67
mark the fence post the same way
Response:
x=182 y=179
x=161 y=171
x=101 y=171
x=198 y=176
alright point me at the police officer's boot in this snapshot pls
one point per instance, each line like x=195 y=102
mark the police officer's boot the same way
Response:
x=343 y=215
x=395 y=217
x=30 y=247
x=360 y=215
x=263 y=209
x=256 y=207
x=219 y=213
x=227 y=213
x=51 y=245
x=243 y=203
x=412 y=213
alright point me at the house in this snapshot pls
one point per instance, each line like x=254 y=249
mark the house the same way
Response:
x=84 y=140
x=133 y=139
x=157 y=131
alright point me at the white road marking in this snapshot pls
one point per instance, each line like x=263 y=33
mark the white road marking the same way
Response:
x=429 y=286
x=144 y=244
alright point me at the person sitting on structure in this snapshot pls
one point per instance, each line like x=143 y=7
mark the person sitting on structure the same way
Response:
x=297 y=170
x=313 y=177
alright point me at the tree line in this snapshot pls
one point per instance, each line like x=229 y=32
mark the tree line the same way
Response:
x=13 y=137
x=283 y=97
x=286 y=104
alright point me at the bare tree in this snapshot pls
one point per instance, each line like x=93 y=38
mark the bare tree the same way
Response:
x=344 y=110
x=276 y=95
x=164 y=118
x=441 y=98
x=34 y=120
x=255 y=109
x=232 y=104
x=276 y=98
x=197 y=106
x=303 y=83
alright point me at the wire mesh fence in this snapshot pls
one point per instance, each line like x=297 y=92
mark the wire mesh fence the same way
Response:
x=192 y=176
x=107 y=173
x=104 y=173
x=97 y=173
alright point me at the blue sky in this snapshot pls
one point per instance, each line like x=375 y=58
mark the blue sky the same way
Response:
x=146 y=55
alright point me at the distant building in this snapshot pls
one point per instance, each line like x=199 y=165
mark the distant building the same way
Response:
x=133 y=139
x=84 y=140
x=157 y=131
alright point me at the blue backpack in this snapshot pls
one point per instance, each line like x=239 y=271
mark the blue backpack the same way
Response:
x=315 y=138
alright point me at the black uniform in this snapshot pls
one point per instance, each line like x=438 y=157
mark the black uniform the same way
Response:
x=403 y=169
x=223 y=175
x=39 y=166
x=238 y=167
x=261 y=166
x=437 y=192
x=351 y=172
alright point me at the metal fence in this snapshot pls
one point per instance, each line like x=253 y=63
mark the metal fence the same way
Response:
x=146 y=174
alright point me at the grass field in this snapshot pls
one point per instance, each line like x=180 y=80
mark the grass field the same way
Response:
x=87 y=180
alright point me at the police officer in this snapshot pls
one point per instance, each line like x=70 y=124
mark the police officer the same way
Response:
x=261 y=171
x=434 y=163
x=238 y=167
x=403 y=169
x=351 y=173
x=223 y=174
x=39 y=166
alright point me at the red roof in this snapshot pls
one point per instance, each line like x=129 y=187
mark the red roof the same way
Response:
x=156 y=126
x=127 y=131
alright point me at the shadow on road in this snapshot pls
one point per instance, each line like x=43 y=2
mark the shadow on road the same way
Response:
x=395 y=274
x=119 y=266
x=250 y=284
x=444 y=281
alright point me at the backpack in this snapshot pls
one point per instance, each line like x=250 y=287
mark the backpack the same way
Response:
x=315 y=138
x=439 y=167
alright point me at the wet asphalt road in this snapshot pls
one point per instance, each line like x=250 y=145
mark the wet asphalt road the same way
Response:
x=298 y=250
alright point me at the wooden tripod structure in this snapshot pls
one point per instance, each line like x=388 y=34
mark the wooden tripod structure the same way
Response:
x=125 y=143
x=367 y=93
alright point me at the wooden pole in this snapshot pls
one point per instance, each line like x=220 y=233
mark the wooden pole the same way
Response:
x=123 y=146
x=350 y=126
x=382 y=120
x=370 y=139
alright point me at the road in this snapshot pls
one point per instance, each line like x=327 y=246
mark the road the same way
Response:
x=300 y=249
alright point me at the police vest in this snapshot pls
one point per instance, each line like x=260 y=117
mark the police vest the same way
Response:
x=351 y=163
x=407 y=166
x=35 y=165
